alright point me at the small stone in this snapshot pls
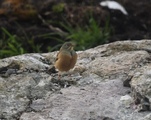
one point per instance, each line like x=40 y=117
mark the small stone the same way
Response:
x=126 y=100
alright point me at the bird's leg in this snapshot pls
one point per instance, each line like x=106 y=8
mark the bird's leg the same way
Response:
x=59 y=76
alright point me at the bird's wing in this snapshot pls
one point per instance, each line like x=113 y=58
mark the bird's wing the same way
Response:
x=73 y=59
x=57 y=56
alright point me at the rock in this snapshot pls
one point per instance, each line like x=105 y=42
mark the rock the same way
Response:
x=126 y=100
x=147 y=117
x=140 y=84
x=85 y=102
x=126 y=82
x=94 y=90
x=31 y=116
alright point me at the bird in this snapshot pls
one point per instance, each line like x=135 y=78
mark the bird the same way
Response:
x=66 y=58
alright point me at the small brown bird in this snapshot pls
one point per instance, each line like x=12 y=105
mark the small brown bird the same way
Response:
x=66 y=58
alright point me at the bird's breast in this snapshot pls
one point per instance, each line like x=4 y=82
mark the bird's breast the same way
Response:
x=63 y=62
x=66 y=60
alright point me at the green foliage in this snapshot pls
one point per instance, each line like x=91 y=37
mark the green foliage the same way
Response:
x=58 y=8
x=89 y=36
x=10 y=46
x=85 y=37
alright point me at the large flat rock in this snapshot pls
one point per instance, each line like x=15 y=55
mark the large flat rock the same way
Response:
x=30 y=89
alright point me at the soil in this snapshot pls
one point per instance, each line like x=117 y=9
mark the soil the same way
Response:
x=33 y=18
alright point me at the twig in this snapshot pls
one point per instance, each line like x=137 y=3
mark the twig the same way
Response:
x=55 y=29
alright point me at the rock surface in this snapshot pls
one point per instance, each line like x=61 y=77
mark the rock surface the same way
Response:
x=30 y=90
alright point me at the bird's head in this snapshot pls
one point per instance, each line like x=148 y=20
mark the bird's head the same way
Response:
x=67 y=46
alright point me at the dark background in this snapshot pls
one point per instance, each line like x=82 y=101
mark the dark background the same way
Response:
x=32 y=20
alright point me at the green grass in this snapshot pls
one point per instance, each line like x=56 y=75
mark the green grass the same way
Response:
x=85 y=37
x=88 y=36
x=10 y=46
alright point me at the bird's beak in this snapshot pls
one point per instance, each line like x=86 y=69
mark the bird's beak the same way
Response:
x=72 y=46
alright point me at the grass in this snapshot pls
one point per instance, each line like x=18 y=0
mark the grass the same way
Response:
x=85 y=37
x=10 y=46
x=88 y=36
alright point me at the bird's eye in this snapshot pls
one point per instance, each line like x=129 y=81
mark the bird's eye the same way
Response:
x=68 y=45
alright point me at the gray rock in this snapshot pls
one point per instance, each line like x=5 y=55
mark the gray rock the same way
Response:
x=141 y=86
x=126 y=100
x=30 y=89
x=147 y=117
